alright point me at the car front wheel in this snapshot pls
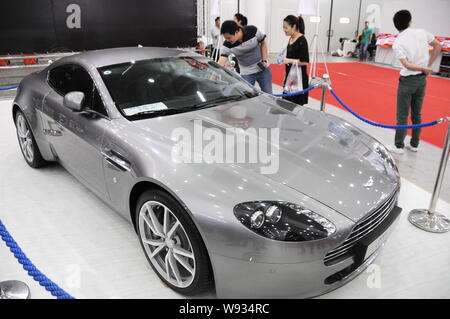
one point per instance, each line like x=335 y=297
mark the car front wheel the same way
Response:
x=172 y=243
x=27 y=143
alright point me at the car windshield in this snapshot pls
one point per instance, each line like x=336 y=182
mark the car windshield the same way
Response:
x=158 y=87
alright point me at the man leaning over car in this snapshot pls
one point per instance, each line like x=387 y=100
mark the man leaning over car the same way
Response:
x=249 y=45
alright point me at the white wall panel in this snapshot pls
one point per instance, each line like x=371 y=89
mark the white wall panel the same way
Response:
x=229 y=9
x=432 y=15
x=281 y=8
x=257 y=12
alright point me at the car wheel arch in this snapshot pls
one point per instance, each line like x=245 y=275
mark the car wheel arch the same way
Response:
x=26 y=113
x=145 y=185
x=15 y=109
x=148 y=184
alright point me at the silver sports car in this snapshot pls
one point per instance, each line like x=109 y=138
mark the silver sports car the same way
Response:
x=302 y=227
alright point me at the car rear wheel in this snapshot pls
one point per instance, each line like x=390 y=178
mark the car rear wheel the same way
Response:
x=27 y=143
x=172 y=243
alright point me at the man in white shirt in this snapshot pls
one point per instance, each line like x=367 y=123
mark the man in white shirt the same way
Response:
x=215 y=35
x=412 y=49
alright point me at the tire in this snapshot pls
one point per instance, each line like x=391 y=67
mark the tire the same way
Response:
x=186 y=236
x=27 y=142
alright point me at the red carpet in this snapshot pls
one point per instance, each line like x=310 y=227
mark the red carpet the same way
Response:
x=371 y=91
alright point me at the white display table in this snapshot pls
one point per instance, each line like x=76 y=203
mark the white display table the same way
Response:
x=385 y=55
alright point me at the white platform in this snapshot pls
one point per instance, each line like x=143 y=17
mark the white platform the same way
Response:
x=90 y=251
x=387 y=56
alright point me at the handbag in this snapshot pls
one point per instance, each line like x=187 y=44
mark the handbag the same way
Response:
x=294 y=81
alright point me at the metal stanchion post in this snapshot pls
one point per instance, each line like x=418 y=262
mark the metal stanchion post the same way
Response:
x=429 y=219
x=324 y=85
x=14 y=289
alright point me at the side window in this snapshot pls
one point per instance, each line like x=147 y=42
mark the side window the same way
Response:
x=60 y=79
x=71 y=78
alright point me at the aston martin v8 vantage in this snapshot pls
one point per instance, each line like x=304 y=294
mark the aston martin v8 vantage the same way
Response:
x=305 y=228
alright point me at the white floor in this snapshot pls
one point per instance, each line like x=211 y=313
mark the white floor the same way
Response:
x=87 y=249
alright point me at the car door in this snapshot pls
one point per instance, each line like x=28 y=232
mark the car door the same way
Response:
x=76 y=137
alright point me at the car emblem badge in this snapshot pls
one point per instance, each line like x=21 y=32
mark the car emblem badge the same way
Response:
x=369 y=183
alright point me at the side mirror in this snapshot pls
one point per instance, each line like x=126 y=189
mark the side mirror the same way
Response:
x=74 y=101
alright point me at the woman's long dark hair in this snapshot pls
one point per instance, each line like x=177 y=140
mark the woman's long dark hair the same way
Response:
x=296 y=22
x=241 y=18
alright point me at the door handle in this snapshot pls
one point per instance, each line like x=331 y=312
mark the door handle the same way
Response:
x=117 y=162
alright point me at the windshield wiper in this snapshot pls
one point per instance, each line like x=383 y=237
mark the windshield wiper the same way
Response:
x=168 y=111
x=160 y=112
x=198 y=106
x=218 y=100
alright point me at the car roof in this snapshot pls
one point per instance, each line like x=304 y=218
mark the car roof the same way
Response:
x=105 y=57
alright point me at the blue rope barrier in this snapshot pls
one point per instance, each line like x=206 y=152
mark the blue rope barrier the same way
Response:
x=9 y=88
x=384 y=125
x=295 y=93
x=32 y=271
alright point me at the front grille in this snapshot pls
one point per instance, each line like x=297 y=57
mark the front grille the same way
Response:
x=363 y=228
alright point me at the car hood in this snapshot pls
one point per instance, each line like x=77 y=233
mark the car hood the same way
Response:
x=320 y=155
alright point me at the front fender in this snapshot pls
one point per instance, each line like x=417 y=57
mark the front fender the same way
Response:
x=29 y=99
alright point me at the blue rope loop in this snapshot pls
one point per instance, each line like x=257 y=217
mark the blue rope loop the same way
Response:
x=295 y=93
x=9 y=88
x=400 y=127
x=31 y=269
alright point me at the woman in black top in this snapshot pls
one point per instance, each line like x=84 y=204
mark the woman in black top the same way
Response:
x=297 y=52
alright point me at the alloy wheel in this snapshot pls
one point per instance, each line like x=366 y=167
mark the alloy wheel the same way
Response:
x=167 y=244
x=25 y=138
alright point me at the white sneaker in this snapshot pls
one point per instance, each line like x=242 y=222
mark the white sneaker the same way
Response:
x=412 y=148
x=395 y=150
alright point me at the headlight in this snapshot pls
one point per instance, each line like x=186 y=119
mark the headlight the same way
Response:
x=283 y=221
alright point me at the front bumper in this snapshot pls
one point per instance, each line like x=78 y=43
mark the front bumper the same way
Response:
x=237 y=278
